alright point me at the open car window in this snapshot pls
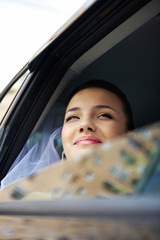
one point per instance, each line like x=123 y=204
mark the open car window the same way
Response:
x=113 y=191
x=131 y=62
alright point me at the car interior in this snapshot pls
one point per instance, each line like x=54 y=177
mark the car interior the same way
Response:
x=127 y=57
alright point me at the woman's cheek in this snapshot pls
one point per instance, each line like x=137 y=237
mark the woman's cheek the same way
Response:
x=117 y=130
x=66 y=135
x=111 y=129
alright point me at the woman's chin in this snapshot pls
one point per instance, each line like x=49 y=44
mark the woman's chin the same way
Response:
x=83 y=150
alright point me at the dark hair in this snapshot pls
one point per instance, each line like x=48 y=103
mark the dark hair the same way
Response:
x=112 y=88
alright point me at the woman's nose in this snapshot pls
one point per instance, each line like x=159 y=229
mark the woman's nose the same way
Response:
x=87 y=127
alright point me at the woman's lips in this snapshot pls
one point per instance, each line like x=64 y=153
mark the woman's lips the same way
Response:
x=87 y=140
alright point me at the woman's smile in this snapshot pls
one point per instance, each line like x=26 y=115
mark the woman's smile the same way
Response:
x=87 y=140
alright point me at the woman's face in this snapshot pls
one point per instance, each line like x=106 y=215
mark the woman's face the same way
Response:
x=93 y=116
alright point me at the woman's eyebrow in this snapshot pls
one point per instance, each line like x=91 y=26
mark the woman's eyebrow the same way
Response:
x=72 y=109
x=97 y=106
x=105 y=106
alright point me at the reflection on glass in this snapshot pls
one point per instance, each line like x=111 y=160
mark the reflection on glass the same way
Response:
x=11 y=94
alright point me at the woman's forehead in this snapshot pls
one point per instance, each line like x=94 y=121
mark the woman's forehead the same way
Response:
x=94 y=96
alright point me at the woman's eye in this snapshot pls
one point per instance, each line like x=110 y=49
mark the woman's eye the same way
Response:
x=105 y=115
x=71 y=117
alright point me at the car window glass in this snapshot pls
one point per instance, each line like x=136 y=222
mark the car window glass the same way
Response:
x=8 y=99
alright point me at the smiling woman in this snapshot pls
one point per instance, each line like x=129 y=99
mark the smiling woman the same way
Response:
x=97 y=111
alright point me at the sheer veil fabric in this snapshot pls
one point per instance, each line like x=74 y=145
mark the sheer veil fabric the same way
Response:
x=38 y=152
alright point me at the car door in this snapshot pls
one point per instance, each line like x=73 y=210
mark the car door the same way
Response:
x=77 y=52
x=60 y=52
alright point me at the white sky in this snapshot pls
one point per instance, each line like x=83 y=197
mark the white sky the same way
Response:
x=25 y=25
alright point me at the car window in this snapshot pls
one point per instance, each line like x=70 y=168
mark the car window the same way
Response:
x=111 y=67
x=98 y=189
x=11 y=94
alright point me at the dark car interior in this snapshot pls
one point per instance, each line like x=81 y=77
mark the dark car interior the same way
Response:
x=132 y=64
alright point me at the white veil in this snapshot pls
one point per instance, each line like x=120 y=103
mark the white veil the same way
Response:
x=40 y=149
